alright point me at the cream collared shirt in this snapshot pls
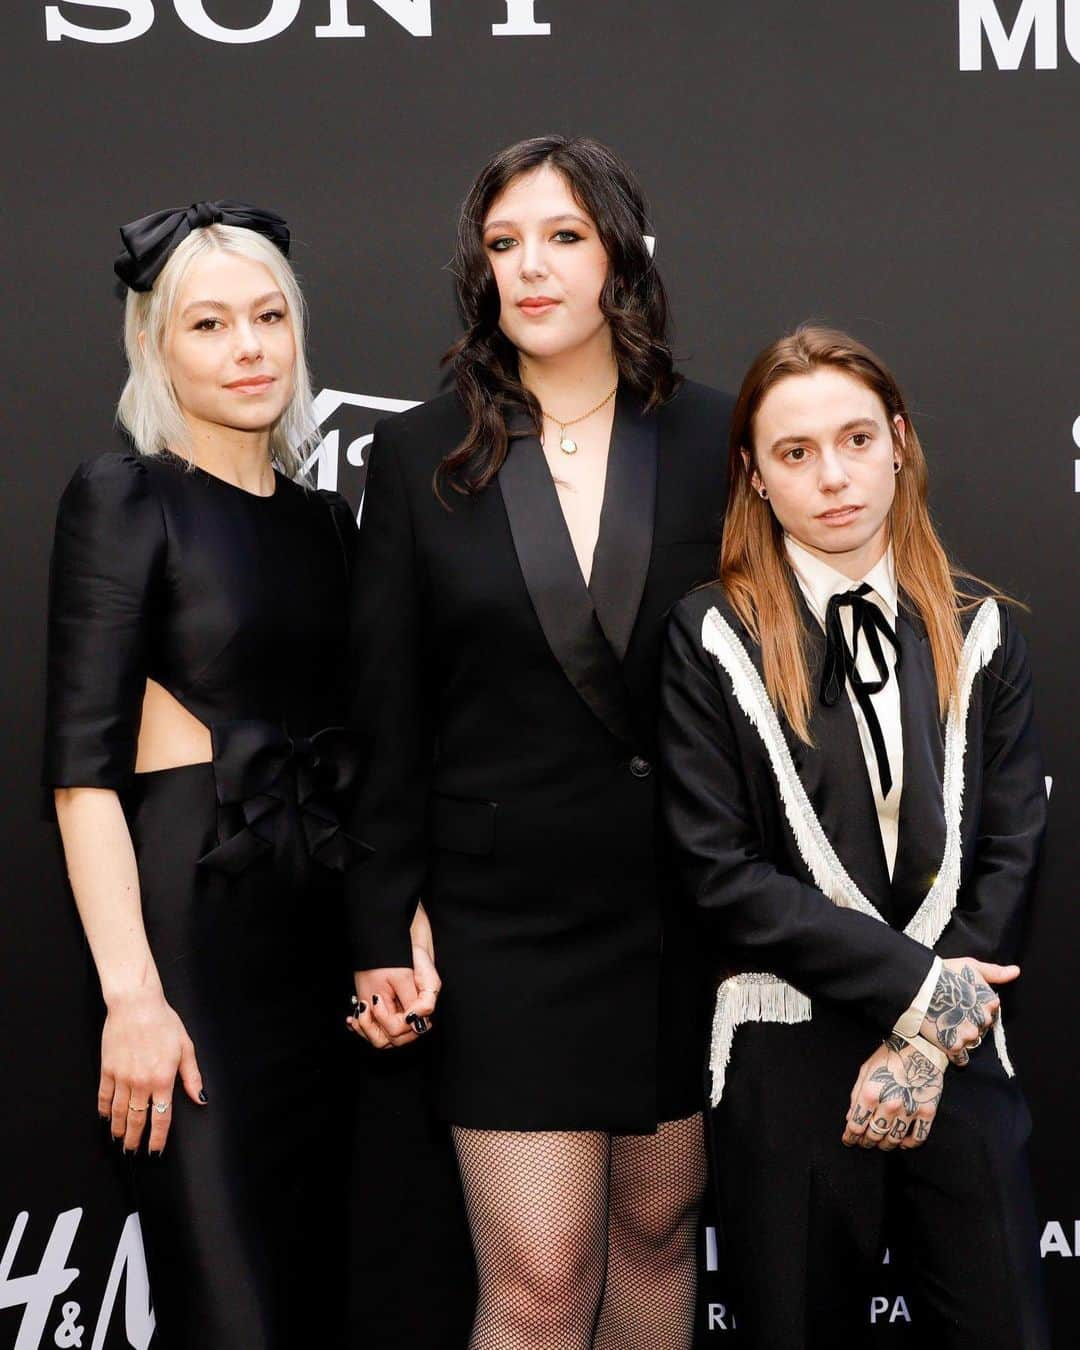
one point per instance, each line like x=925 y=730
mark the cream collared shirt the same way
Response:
x=819 y=583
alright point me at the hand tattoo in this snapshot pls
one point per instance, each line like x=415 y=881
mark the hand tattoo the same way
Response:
x=917 y=1083
x=959 y=998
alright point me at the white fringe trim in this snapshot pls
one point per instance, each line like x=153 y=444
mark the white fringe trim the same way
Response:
x=761 y=997
x=814 y=845
x=756 y=997
x=982 y=641
x=1002 y=1049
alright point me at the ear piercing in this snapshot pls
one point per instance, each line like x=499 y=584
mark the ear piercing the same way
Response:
x=896 y=466
x=763 y=494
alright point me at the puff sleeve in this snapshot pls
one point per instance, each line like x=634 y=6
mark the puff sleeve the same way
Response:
x=107 y=560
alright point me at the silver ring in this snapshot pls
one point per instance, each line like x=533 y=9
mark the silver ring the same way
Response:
x=873 y=1128
x=140 y=1109
x=161 y=1107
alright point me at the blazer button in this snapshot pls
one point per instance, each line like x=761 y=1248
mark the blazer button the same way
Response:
x=640 y=767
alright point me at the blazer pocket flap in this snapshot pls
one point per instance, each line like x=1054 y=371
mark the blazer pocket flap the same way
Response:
x=462 y=824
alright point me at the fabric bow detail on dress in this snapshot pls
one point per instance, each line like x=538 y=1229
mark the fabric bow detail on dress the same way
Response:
x=253 y=763
x=870 y=624
x=150 y=240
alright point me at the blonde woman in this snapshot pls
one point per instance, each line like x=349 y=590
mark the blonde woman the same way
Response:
x=854 y=786
x=196 y=632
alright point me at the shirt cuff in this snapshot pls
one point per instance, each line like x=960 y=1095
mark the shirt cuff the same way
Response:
x=909 y=1024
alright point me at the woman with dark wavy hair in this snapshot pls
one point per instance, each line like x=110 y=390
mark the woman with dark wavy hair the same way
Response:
x=522 y=540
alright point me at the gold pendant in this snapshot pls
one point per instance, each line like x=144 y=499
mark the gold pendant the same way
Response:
x=567 y=446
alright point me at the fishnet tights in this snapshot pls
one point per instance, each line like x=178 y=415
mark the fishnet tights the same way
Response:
x=584 y=1240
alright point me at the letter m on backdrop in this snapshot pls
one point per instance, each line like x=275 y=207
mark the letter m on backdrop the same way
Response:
x=1034 y=18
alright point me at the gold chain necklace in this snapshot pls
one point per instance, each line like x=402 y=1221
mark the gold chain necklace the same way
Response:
x=566 y=443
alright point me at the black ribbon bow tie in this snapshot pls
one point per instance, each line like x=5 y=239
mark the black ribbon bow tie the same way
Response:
x=870 y=624
x=150 y=240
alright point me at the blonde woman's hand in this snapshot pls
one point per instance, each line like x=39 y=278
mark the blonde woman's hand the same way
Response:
x=144 y=1046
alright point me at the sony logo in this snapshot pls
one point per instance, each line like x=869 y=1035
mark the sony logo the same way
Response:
x=1035 y=25
x=340 y=15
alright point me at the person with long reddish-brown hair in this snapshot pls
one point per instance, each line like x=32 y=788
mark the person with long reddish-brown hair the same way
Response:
x=855 y=791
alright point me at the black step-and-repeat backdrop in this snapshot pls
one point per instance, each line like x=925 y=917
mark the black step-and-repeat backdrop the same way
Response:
x=910 y=171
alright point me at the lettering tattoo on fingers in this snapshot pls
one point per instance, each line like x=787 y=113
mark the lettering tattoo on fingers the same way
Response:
x=922 y=1129
x=900 y=1129
x=959 y=1001
x=860 y=1115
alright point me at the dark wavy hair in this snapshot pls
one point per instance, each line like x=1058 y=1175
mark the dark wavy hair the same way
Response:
x=485 y=362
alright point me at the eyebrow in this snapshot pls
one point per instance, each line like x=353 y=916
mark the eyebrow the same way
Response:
x=223 y=308
x=848 y=426
x=550 y=220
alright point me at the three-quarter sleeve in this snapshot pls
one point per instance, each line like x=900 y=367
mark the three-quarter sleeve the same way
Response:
x=391 y=718
x=106 y=561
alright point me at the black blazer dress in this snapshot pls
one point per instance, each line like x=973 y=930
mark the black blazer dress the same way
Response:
x=507 y=718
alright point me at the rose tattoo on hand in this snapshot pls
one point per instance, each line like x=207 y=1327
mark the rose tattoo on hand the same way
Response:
x=895 y=1098
x=962 y=1009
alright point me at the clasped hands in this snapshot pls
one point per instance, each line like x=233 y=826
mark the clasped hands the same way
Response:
x=897 y=1091
x=394 y=1005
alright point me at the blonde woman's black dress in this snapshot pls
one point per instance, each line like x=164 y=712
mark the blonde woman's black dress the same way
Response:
x=235 y=604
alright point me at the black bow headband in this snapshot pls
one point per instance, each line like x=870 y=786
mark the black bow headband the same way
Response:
x=150 y=240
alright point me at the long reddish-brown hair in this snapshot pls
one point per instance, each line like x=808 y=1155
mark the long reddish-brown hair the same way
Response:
x=754 y=568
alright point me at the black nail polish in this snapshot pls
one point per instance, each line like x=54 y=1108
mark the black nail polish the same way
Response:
x=203 y=1097
x=420 y=1026
x=374 y=1000
x=361 y=1007
x=411 y=1017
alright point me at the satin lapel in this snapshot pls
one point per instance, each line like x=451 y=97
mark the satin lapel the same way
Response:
x=921 y=841
x=624 y=545
x=833 y=771
x=559 y=595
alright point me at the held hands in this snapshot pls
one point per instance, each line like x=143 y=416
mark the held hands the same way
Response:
x=963 y=1007
x=394 y=1005
x=895 y=1098
x=143 y=1047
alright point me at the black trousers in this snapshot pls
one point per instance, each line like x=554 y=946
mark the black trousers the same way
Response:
x=806 y=1222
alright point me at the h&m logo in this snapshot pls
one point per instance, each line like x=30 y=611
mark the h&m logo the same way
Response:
x=36 y=1291
x=412 y=15
x=1035 y=22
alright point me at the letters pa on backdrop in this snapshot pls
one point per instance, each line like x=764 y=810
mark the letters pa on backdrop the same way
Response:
x=341 y=16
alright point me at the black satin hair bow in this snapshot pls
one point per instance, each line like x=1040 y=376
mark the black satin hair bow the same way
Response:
x=150 y=240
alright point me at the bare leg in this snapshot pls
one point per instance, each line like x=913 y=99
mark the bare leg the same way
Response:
x=537 y=1208
x=656 y=1188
